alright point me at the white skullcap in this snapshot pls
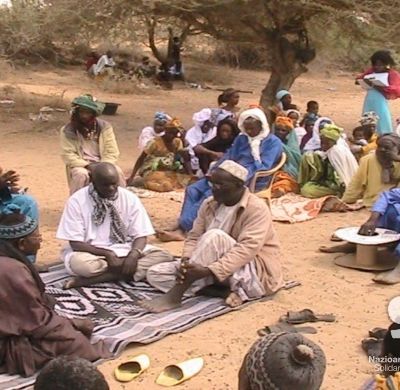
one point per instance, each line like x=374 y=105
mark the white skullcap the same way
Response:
x=235 y=169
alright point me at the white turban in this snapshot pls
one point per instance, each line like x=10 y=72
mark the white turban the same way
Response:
x=255 y=142
x=202 y=116
x=235 y=169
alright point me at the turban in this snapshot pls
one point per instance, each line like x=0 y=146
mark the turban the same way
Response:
x=19 y=229
x=235 y=169
x=332 y=132
x=202 y=116
x=284 y=121
x=161 y=117
x=281 y=94
x=369 y=118
x=285 y=361
x=87 y=101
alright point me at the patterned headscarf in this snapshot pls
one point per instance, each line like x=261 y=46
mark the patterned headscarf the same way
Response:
x=285 y=361
x=118 y=231
x=369 y=118
x=161 y=117
x=20 y=229
x=284 y=121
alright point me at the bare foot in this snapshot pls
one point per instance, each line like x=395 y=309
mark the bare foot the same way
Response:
x=165 y=236
x=42 y=267
x=344 y=248
x=73 y=283
x=391 y=277
x=233 y=300
x=160 y=304
x=86 y=326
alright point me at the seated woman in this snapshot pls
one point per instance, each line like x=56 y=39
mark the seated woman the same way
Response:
x=314 y=141
x=31 y=332
x=87 y=140
x=329 y=171
x=150 y=132
x=203 y=130
x=215 y=148
x=378 y=171
x=283 y=104
x=164 y=164
x=305 y=132
x=286 y=179
x=255 y=149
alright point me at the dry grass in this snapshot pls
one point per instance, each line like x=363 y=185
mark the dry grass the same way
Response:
x=201 y=73
x=121 y=87
x=29 y=103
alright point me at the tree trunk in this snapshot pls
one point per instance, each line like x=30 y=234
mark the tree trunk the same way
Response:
x=286 y=67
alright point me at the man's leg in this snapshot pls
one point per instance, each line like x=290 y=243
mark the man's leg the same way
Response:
x=151 y=258
x=90 y=269
x=212 y=246
x=79 y=179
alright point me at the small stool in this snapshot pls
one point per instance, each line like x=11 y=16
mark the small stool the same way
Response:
x=371 y=253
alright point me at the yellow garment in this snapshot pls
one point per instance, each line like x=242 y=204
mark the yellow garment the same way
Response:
x=391 y=382
x=371 y=146
x=367 y=183
x=157 y=147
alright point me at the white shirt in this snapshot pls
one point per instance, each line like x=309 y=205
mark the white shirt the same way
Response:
x=76 y=223
x=195 y=137
x=225 y=217
x=147 y=135
x=102 y=63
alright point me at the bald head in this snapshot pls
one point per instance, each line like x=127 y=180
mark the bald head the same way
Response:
x=105 y=179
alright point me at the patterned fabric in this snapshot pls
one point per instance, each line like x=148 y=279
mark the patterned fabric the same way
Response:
x=19 y=230
x=235 y=169
x=284 y=121
x=369 y=118
x=282 y=361
x=118 y=232
x=161 y=117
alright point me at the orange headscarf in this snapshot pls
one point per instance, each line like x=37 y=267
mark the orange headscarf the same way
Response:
x=284 y=121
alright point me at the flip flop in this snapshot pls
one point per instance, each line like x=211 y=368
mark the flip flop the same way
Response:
x=306 y=315
x=132 y=368
x=372 y=346
x=284 y=327
x=378 y=333
x=181 y=372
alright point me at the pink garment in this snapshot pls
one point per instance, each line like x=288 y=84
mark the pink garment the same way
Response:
x=393 y=90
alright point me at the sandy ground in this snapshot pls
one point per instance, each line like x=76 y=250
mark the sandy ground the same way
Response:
x=358 y=303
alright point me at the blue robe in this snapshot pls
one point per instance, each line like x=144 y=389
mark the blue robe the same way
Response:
x=388 y=206
x=270 y=152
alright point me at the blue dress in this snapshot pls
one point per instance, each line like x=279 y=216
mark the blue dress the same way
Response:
x=271 y=151
x=376 y=102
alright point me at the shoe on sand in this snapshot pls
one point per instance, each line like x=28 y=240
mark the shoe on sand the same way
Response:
x=181 y=372
x=306 y=315
x=284 y=327
x=132 y=368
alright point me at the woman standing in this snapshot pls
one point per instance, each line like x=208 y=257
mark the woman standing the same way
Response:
x=377 y=97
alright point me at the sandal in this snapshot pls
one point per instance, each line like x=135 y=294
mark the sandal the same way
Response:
x=284 y=327
x=372 y=346
x=306 y=315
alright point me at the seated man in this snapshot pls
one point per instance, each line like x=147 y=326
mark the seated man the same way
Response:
x=107 y=229
x=385 y=213
x=105 y=65
x=31 y=332
x=378 y=172
x=87 y=140
x=232 y=246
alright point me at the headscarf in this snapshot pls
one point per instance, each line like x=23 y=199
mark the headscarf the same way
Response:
x=331 y=132
x=118 y=231
x=281 y=94
x=173 y=123
x=369 y=118
x=284 y=121
x=315 y=142
x=255 y=142
x=87 y=101
x=161 y=117
x=202 y=116
x=285 y=361
x=20 y=229
x=387 y=163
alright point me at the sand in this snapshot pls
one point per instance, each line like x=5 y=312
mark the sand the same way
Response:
x=33 y=150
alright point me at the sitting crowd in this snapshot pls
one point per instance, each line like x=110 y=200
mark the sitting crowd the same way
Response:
x=228 y=164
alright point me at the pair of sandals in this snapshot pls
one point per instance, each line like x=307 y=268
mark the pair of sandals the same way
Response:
x=373 y=344
x=287 y=322
x=171 y=375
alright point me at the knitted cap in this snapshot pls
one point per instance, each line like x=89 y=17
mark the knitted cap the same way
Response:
x=285 y=361
x=18 y=229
